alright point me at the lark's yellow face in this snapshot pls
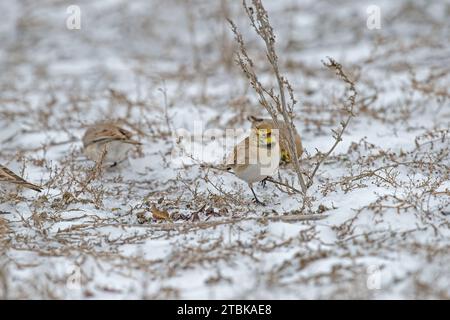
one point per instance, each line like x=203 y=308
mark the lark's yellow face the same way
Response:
x=264 y=136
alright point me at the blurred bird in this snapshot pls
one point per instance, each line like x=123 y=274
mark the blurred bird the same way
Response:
x=284 y=136
x=108 y=143
x=9 y=178
x=256 y=157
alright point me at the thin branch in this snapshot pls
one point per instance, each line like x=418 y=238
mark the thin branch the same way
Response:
x=337 y=135
x=259 y=20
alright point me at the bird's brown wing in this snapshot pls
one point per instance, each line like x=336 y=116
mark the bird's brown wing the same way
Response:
x=244 y=153
x=107 y=133
x=7 y=175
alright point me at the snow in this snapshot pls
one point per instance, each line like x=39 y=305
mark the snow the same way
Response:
x=382 y=197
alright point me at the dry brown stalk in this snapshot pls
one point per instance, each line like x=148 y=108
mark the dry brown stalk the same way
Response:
x=276 y=104
x=210 y=224
x=348 y=107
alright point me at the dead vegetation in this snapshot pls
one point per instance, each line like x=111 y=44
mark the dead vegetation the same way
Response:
x=158 y=227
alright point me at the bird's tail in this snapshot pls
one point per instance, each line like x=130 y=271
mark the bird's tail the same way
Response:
x=32 y=186
x=134 y=142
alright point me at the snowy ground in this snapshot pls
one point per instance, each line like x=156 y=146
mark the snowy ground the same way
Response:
x=379 y=226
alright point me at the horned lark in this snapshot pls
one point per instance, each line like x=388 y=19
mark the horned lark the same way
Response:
x=256 y=157
x=108 y=143
x=10 y=179
x=284 y=136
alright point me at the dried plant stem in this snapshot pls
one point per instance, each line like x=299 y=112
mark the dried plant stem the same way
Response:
x=163 y=90
x=337 y=134
x=277 y=104
x=208 y=224
x=268 y=179
x=259 y=20
x=283 y=184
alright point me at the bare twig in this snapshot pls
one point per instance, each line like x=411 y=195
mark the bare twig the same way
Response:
x=277 y=106
x=210 y=224
x=348 y=107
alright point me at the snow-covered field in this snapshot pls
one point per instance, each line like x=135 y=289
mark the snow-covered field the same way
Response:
x=379 y=224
